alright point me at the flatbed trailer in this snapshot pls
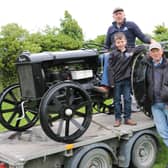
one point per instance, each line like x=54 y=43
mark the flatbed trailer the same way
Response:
x=102 y=146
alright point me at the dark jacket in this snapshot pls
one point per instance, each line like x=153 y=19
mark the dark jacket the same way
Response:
x=150 y=89
x=120 y=64
x=131 y=31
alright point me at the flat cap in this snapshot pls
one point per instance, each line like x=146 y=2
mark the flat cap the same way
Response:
x=118 y=9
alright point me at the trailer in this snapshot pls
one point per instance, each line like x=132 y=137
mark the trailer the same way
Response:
x=102 y=146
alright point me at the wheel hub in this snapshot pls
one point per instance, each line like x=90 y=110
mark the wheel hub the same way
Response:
x=68 y=112
x=142 y=153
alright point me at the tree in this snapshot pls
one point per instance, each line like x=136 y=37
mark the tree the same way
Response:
x=100 y=39
x=161 y=33
x=13 y=42
x=70 y=33
x=68 y=36
x=159 y=29
x=98 y=43
x=70 y=27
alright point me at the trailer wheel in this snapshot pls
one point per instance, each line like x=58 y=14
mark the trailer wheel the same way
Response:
x=144 y=152
x=91 y=156
x=65 y=112
x=96 y=158
x=16 y=114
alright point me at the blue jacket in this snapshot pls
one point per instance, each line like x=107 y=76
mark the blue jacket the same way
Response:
x=131 y=31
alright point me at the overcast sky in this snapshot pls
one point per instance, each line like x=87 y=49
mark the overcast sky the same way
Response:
x=94 y=17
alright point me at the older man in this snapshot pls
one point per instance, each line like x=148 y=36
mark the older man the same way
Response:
x=129 y=28
x=157 y=88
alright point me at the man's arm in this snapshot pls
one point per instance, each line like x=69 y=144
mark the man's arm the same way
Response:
x=138 y=49
x=108 y=39
x=141 y=36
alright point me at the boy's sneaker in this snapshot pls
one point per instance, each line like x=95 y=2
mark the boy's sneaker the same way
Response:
x=117 y=123
x=130 y=122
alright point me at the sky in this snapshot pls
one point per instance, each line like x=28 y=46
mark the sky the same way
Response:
x=94 y=17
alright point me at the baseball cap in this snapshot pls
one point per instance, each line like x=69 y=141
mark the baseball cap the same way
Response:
x=118 y=9
x=155 y=45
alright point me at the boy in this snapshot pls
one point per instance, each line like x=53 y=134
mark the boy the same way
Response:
x=120 y=63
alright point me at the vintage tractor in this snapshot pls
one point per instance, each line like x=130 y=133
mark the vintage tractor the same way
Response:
x=58 y=89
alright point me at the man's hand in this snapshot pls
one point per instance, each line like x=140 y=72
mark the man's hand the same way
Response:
x=139 y=49
x=152 y=41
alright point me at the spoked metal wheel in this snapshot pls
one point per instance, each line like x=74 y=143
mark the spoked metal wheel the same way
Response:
x=16 y=114
x=144 y=152
x=65 y=112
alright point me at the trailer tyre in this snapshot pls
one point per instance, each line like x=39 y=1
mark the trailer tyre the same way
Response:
x=98 y=158
x=144 y=152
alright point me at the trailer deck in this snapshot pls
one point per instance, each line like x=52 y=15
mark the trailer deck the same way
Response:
x=18 y=148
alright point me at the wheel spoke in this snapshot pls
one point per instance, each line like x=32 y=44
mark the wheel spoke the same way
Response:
x=80 y=114
x=18 y=123
x=32 y=111
x=27 y=118
x=51 y=109
x=12 y=117
x=77 y=124
x=55 y=118
x=80 y=105
x=9 y=101
x=69 y=96
x=60 y=126
x=13 y=96
x=67 y=128
x=54 y=106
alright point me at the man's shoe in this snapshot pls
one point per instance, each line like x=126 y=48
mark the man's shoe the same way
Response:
x=117 y=123
x=130 y=122
x=101 y=89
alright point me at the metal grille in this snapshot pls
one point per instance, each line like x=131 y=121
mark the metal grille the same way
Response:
x=26 y=81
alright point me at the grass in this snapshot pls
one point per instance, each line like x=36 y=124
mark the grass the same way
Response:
x=162 y=157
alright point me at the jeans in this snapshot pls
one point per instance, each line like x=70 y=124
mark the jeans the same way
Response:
x=160 y=115
x=122 y=88
x=104 y=58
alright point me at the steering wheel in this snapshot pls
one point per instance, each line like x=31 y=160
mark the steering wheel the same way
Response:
x=100 y=47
